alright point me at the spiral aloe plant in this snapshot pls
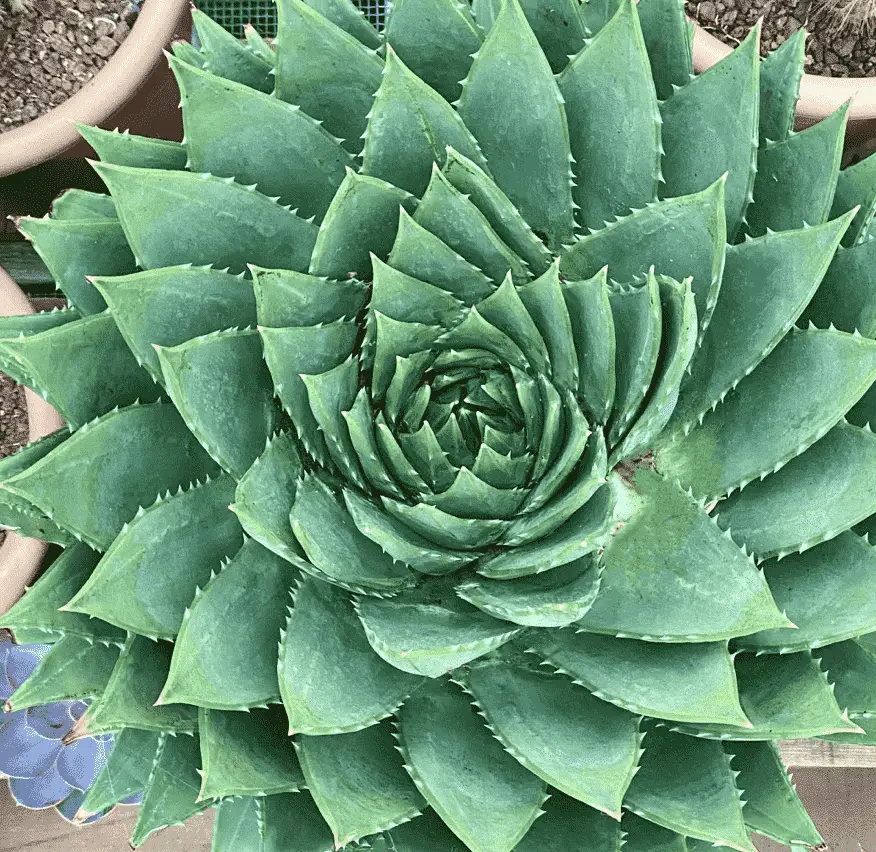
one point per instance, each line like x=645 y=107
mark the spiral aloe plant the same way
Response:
x=534 y=371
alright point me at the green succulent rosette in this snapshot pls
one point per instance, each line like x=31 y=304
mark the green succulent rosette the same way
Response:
x=535 y=372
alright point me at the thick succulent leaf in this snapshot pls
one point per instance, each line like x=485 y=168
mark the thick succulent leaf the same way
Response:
x=271 y=824
x=173 y=304
x=484 y=796
x=74 y=668
x=583 y=532
x=285 y=298
x=812 y=499
x=358 y=782
x=227 y=56
x=127 y=149
x=824 y=591
x=847 y=295
x=471 y=497
x=24 y=325
x=149 y=575
x=410 y=127
x=130 y=694
x=327 y=72
x=617 y=159
x=851 y=667
x=336 y=548
x=767 y=283
x=637 y=319
x=170 y=217
x=239 y=825
x=583 y=483
x=233 y=131
x=82 y=204
x=67 y=366
x=772 y=806
x=686 y=785
x=446 y=529
x=645 y=836
x=265 y=494
x=240 y=671
x=682 y=237
x=17 y=512
x=566 y=822
x=799 y=391
x=678 y=341
x=593 y=331
x=551 y=599
x=528 y=152
x=559 y=28
x=796 y=178
x=784 y=697
x=187 y=52
x=40 y=608
x=668 y=681
x=585 y=747
x=780 y=74
x=420 y=254
x=855 y=187
x=291 y=351
x=172 y=791
x=360 y=424
x=505 y=219
x=228 y=365
x=457 y=221
x=331 y=680
x=436 y=40
x=329 y=394
x=422 y=834
x=710 y=128
x=349 y=18
x=247 y=754
x=95 y=481
x=74 y=250
x=671 y=575
x=399 y=541
x=668 y=39
x=259 y=45
x=361 y=220
x=125 y=772
x=430 y=631
x=543 y=299
x=597 y=13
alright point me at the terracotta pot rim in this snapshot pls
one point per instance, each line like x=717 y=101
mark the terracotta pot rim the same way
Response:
x=819 y=96
x=126 y=71
x=21 y=558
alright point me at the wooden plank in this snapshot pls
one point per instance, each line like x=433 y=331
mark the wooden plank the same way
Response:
x=821 y=753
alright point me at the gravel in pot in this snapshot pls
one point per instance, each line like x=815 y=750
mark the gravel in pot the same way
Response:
x=52 y=48
x=834 y=48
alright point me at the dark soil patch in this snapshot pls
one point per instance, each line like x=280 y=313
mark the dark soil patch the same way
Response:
x=52 y=49
x=13 y=420
x=851 y=54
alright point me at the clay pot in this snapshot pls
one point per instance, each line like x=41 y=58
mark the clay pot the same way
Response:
x=134 y=90
x=819 y=96
x=21 y=558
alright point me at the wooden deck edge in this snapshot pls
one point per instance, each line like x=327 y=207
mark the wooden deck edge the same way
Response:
x=803 y=753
